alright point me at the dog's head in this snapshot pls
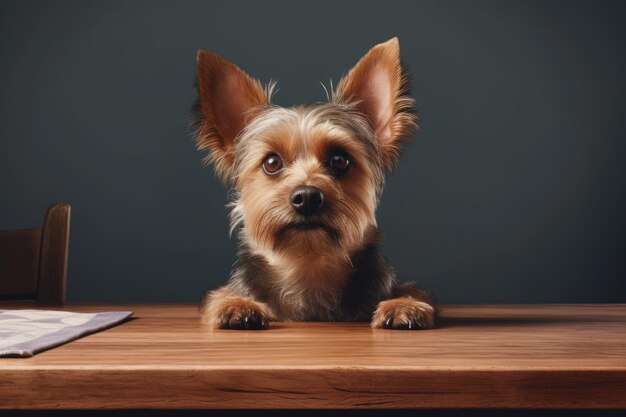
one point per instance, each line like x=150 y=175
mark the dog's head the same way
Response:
x=305 y=178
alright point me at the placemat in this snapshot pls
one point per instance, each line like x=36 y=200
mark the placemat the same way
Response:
x=24 y=333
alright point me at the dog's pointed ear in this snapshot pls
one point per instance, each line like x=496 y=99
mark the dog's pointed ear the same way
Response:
x=379 y=87
x=228 y=99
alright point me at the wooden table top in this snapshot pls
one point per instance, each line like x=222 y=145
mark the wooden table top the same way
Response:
x=523 y=356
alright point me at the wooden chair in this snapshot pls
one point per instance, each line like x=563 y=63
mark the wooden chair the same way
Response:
x=33 y=263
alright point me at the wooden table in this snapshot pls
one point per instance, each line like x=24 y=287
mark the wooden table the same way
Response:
x=541 y=356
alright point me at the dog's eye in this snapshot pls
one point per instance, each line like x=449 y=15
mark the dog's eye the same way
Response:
x=272 y=164
x=339 y=163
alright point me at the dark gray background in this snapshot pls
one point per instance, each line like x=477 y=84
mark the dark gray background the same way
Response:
x=513 y=192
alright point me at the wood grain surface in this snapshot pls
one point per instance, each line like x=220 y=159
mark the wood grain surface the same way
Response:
x=540 y=356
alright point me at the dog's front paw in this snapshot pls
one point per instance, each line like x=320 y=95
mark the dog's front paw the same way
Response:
x=242 y=314
x=404 y=313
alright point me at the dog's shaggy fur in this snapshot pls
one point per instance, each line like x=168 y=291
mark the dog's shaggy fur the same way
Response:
x=321 y=264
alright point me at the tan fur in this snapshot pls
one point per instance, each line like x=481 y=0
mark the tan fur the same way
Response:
x=404 y=312
x=224 y=307
x=308 y=286
x=309 y=269
x=263 y=201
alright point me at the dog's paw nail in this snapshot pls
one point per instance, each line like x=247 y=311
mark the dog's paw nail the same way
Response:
x=251 y=320
x=387 y=324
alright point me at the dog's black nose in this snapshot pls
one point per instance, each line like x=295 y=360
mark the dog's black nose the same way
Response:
x=307 y=200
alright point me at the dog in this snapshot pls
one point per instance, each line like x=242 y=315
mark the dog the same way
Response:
x=306 y=183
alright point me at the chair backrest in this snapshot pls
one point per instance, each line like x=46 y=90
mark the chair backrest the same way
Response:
x=33 y=263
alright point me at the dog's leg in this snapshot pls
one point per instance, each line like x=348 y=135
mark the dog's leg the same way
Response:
x=224 y=308
x=411 y=308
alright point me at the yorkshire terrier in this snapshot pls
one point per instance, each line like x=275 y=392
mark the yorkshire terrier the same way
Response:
x=306 y=182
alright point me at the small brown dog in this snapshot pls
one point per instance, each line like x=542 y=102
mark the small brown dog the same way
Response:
x=306 y=184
